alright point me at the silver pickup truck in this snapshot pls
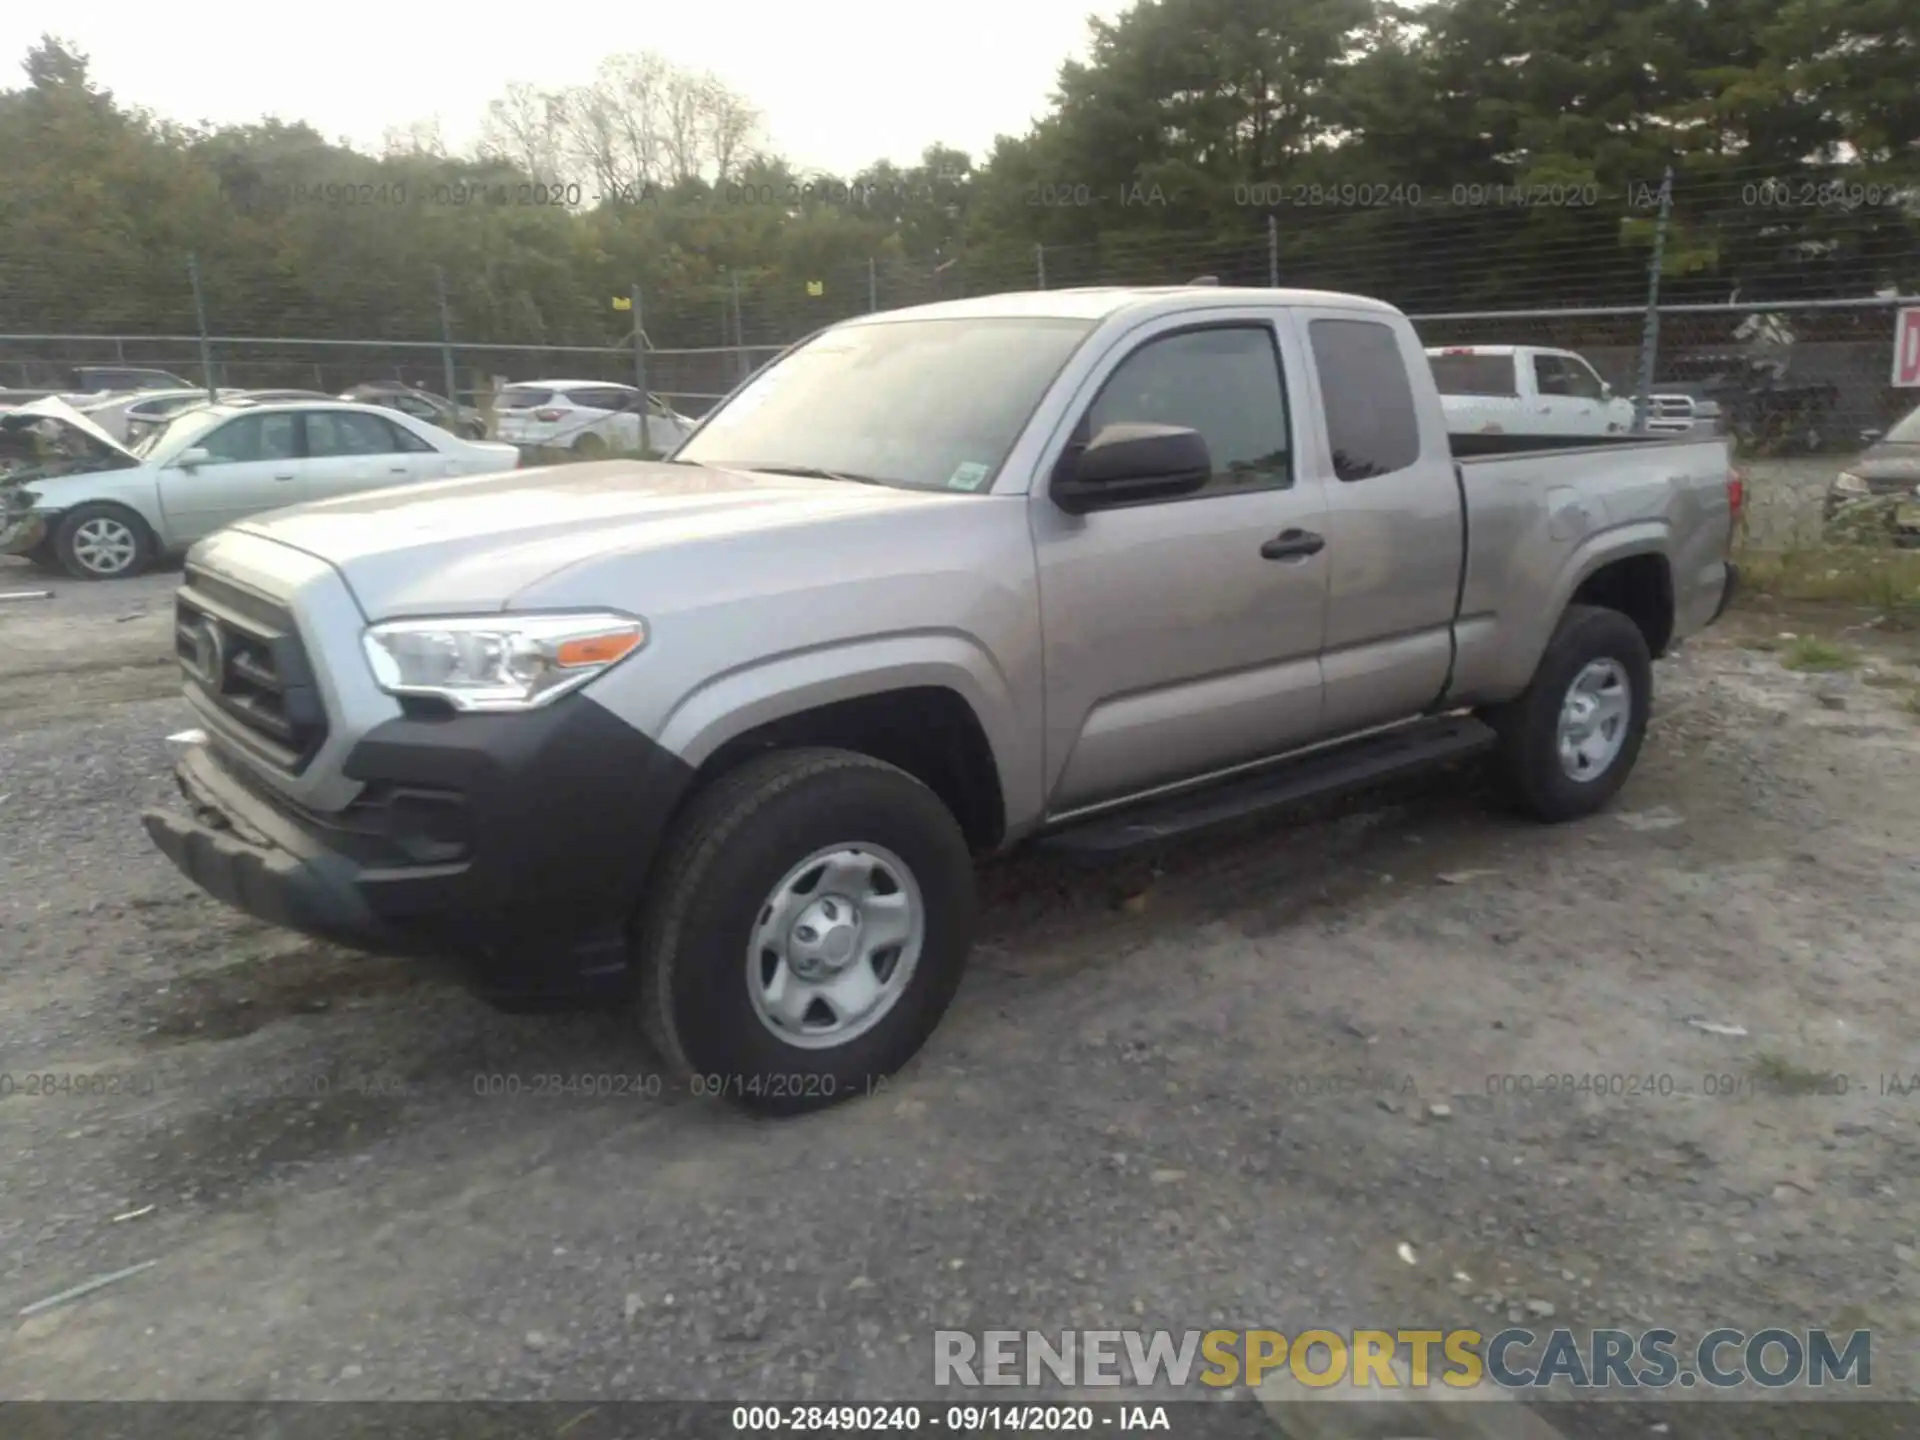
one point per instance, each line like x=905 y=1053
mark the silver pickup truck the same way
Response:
x=1091 y=569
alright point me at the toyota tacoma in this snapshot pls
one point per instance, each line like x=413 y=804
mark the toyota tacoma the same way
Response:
x=723 y=735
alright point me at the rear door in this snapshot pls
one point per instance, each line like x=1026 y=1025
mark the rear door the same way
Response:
x=515 y=411
x=1173 y=645
x=253 y=465
x=611 y=412
x=350 y=451
x=1394 y=520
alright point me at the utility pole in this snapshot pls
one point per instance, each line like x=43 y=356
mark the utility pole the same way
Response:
x=640 y=370
x=446 y=339
x=1650 y=331
x=200 y=315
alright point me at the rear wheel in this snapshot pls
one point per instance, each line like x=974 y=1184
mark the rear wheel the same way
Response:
x=103 y=542
x=808 y=932
x=590 y=445
x=1568 y=743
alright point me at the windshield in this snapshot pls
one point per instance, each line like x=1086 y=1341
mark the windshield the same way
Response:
x=175 y=433
x=1474 y=374
x=1907 y=431
x=921 y=404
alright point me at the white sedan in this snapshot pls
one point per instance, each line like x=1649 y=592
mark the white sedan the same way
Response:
x=73 y=497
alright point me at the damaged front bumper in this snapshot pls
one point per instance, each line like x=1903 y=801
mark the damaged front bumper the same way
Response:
x=22 y=531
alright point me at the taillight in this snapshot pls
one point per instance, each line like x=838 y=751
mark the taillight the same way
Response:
x=1736 y=493
x=548 y=415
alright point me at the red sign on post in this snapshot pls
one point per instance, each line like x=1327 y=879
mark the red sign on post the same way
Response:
x=1906 y=347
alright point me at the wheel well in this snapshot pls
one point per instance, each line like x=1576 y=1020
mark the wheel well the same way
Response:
x=928 y=731
x=1640 y=587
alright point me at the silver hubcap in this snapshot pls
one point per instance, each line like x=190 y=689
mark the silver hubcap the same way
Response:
x=105 y=546
x=1594 y=719
x=835 y=945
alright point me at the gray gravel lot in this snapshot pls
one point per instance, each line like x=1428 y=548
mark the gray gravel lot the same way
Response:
x=1192 y=1099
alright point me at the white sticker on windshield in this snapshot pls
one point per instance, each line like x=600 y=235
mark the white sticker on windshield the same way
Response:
x=968 y=476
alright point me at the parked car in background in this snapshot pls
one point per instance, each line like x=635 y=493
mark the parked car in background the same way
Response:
x=129 y=414
x=422 y=405
x=1525 y=390
x=1685 y=409
x=102 y=510
x=1886 y=478
x=588 y=416
x=93 y=379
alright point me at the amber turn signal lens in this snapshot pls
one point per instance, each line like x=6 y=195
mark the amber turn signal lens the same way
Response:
x=594 y=650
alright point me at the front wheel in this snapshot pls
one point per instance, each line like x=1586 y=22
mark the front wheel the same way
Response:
x=1568 y=743
x=103 y=542
x=808 y=932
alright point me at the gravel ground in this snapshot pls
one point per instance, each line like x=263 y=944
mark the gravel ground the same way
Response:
x=1193 y=1098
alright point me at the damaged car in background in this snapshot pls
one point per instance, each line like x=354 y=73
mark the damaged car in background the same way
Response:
x=74 y=499
x=1877 y=496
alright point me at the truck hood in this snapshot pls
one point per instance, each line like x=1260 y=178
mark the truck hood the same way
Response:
x=472 y=544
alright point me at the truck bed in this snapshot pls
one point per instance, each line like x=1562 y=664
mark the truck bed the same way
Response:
x=1532 y=513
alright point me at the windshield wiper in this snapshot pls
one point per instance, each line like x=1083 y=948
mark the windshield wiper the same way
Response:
x=812 y=472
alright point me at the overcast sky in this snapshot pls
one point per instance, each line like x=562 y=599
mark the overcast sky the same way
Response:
x=839 y=82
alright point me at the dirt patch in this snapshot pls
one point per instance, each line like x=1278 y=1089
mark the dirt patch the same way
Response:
x=1673 y=1050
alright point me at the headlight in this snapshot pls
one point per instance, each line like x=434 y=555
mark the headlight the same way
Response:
x=499 y=662
x=1848 y=483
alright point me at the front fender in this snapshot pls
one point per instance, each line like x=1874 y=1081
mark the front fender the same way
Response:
x=728 y=705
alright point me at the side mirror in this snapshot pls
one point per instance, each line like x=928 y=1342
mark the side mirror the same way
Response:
x=194 y=457
x=1606 y=390
x=1126 y=464
x=1870 y=437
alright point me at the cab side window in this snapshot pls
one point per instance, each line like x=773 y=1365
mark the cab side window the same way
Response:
x=1224 y=382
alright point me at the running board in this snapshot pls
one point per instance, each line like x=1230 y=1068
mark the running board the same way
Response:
x=1325 y=772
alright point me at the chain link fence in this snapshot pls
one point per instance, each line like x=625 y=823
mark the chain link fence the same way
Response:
x=1777 y=309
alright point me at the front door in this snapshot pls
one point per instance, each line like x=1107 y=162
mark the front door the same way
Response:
x=252 y=465
x=1569 y=398
x=1173 y=646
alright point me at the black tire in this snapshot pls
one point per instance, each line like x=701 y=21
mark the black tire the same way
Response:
x=590 y=445
x=1528 y=756
x=726 y=855
x=68 y=537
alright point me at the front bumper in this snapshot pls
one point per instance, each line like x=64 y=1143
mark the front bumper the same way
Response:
x=515 y=844
x=23 y=533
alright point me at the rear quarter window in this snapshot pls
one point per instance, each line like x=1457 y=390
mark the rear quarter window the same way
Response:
x=1490 y=375
x=1373 y=425
x=518 y=397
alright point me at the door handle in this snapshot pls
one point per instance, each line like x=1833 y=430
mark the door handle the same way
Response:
x=283 y=477
x=396 y=470
x=1293 y=545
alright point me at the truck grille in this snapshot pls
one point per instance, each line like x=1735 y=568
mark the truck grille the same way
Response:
x=245 y=664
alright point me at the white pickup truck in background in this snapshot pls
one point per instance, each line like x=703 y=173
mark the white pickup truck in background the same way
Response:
x=1525 y=390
